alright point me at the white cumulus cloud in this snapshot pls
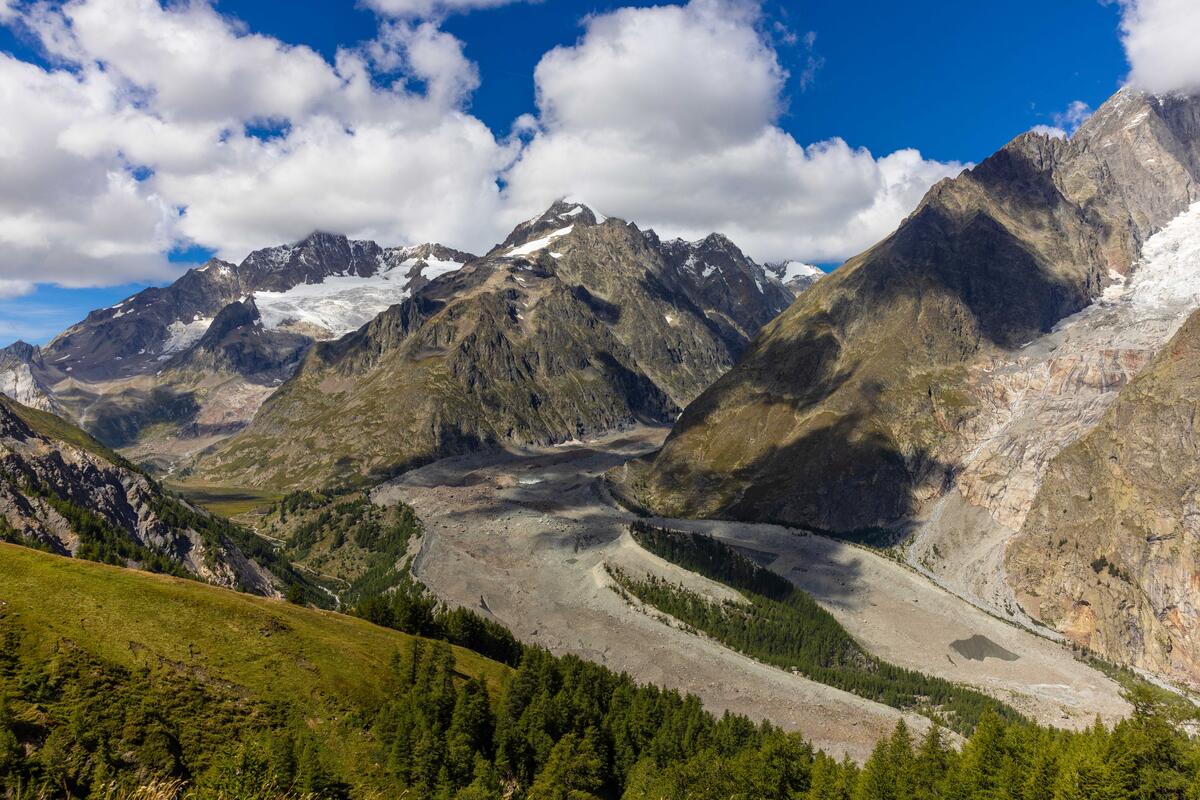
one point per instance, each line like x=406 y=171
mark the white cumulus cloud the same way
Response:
x=424 y=9
x=141 y=137
x=1160 y=43
x=154 y=125
x=669 y=116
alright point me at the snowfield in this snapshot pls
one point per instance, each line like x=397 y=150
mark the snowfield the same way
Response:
x=798 y=269
x=344 y=303
x=182 y=335
x=538 y=244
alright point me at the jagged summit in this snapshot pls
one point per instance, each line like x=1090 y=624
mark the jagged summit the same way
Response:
x=569 y=328
x=795 y=275
x=194 y=360
x=535 y=234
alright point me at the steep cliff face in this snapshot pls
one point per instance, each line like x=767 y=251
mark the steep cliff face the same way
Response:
x=22 y=376
x=855 y=406
x=63 y=491
x=1109 y=553
x=733 y=289
x=1032 y=402
x=571 y=327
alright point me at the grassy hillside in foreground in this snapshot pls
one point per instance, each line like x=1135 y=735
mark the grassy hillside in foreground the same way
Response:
x=251 y=662
x=133 y=618
x=112 y=679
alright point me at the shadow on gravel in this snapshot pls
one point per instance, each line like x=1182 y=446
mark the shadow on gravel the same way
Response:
x=980 y=648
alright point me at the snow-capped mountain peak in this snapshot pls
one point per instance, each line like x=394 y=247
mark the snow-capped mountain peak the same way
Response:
x=796 y=275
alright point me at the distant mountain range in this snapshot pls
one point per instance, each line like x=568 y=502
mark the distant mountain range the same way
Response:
x=169 y=372
x=574 y=325
x=1002 y=388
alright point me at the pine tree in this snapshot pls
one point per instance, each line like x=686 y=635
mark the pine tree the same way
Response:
x=574 y=771
x=485 y=783
x=10 y=748
x=469 y=733
x=902 y=761
x=932 y=764
x=827 y=781
x=878 y=780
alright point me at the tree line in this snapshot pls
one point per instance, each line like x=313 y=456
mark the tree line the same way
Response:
x=782 y=625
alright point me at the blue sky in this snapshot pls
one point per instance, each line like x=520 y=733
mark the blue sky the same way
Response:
x=953 y=80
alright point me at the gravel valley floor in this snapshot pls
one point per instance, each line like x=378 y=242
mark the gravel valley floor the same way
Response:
x=525 y=536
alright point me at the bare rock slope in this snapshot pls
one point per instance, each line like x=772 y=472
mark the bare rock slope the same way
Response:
x=1118 y=512
x=63 y=491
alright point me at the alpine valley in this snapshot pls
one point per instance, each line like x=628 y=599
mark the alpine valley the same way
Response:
x=603 y=514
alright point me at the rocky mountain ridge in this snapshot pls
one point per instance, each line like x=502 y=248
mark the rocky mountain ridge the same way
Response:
x=62 y=491
x=848 y=412
x=925 y=390
x=141 y=332
x=169 y=371
x=574 y=325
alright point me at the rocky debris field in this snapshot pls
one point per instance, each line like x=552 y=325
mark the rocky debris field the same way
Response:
x=525 y=536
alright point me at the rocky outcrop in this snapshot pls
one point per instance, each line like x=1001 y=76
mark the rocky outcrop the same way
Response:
x=857 y=407
x=571 y=327
x=1109 y=553
x=23 y=374
x=62 y=491
x=237 y=343
x=734 y=291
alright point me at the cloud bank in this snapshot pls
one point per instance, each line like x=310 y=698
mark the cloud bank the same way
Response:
x=151 y=127
x=1160 y=43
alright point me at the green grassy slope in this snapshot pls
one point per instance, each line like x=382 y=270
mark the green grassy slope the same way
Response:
x=266 y=646
x=224 y=500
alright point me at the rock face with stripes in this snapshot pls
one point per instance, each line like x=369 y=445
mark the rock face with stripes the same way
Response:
x=62 y=491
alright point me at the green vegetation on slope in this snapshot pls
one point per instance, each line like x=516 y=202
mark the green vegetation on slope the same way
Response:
x=58 y=429
x=781 y=625
x=100 y=540
x=110 y=677
x=98 y=658
x=222 y=500
x=354 y=547
x=413 y=610
x=145 y=528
